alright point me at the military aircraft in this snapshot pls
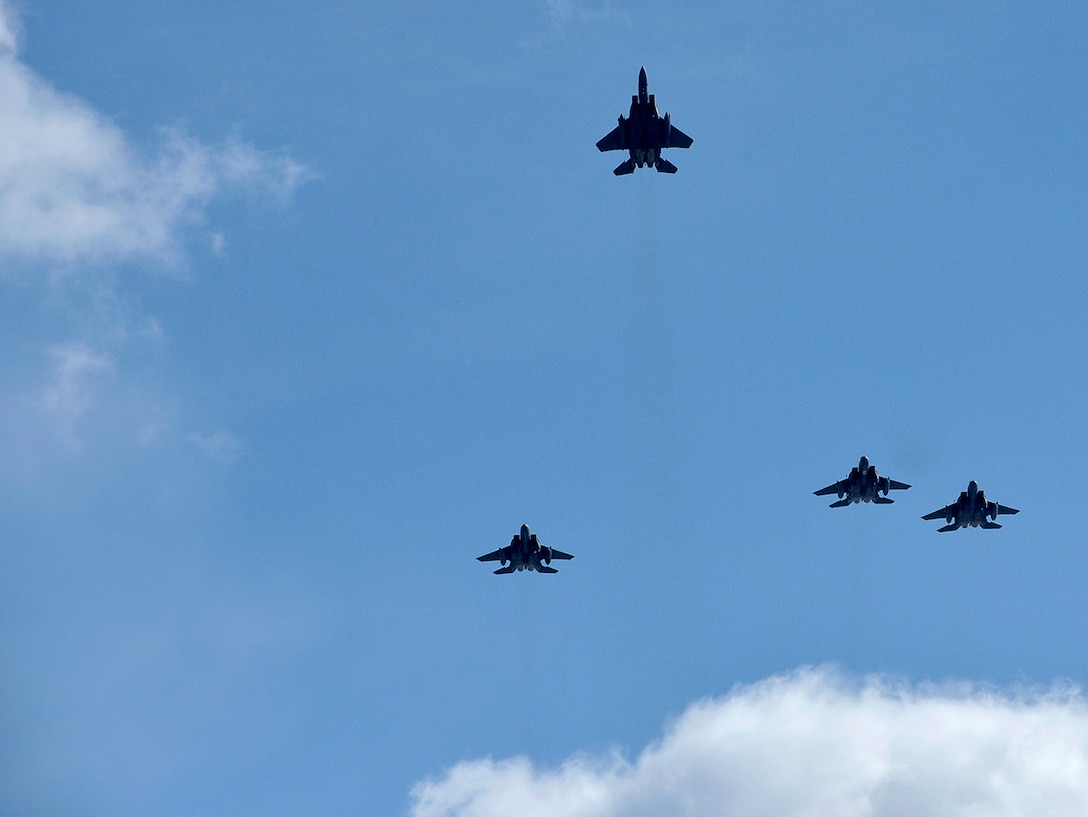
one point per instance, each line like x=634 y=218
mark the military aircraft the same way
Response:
x=862 y=484
x=644 y=134
x=524 y=553
x=972 y=509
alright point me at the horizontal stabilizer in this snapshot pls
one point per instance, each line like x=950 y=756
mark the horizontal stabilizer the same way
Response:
x=883 y=500
x=507 y=569
x=990 y=525
x=546 y=569
x=625 y=168
x=947 y=528
x=842 y=503
x=665 y=166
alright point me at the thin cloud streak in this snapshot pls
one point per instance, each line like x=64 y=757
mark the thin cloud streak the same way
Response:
x=74 y=191
x=563 y=13
x=70 y=392
x=811 y=743
x=219 y=445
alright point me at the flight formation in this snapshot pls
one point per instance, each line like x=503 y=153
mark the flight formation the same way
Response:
x=643 y=133
x=864 y=484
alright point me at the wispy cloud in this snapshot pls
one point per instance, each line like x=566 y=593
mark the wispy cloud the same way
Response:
x=77 y=199
x=218 y=445
x=70 y=391
x=73 y=190
x=562 y=13
x=811 y=743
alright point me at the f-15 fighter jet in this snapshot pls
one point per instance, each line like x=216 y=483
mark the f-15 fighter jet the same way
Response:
x=972 y=509
x=644 y=134
x=524 y=553
x=862 y=484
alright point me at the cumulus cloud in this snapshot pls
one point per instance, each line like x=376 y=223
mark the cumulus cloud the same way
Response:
x=814 y=744
x=73 y=190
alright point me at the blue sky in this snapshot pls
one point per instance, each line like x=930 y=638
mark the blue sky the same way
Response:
x=306 y=305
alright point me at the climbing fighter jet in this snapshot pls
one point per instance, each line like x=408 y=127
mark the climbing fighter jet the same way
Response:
x=972 y=509
x=862 y=484
x=524 y=553
x=644 y=134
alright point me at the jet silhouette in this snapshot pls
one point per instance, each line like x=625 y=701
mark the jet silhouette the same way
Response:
x=862 y=484
x=971 y=509
x=644 y=134
x=524 y=553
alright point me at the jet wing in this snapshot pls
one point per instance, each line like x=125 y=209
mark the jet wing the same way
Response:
x=493 y=556
x=675 y=138
x=1006 y=509
x=897 y=486
x=942 y=513
x=558 y=554
x=616 y=140
x=833 y=488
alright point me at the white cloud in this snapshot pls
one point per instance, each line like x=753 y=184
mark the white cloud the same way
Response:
x=219 y=445
x=811 y=744
x=564 y=12
x=73 y=190
x=69 y=392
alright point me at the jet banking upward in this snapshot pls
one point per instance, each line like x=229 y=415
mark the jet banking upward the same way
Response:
x=524 y=553
x=862 y=484
x=644 y=134
x=971 y=509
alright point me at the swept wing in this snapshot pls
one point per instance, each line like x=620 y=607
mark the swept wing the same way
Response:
x=615 y=140
x=833 y=488
x=942 y=513
x=495 y=555
x=674 y=138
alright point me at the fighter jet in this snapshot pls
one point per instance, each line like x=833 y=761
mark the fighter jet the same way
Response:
x=524 y=553
x=644 y=134
x=862 y=484
x=972 y=509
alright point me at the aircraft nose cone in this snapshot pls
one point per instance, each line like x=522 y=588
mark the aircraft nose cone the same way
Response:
x=864 y=464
